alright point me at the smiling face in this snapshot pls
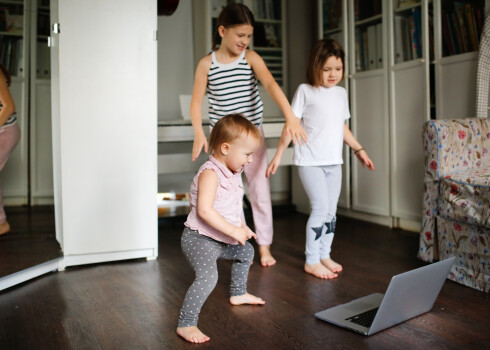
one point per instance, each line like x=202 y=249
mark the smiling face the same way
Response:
x=236 y=38
x=238 y=154
x=333 y=71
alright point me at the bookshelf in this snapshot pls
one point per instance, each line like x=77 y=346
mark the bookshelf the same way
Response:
x=269 y=39
x=457 y=28
x=368 y=29
x=41 y=159
x=24 y=31
x=333 y=25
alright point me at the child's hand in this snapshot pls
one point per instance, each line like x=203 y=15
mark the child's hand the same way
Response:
x=272 y=167
x=364 y=159
x=243 y=234
x=200 y=141
x=295 y=131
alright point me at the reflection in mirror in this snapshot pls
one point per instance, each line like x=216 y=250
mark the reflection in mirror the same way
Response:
x=27 y=182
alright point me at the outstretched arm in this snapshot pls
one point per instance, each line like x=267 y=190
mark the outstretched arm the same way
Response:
x=208 y=184
x=281 y=148
x=293 y=126
x=200 y=83
x=359 y=151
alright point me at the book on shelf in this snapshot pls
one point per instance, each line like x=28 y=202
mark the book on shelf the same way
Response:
x=462 y=23
x=332 y=14
x=372 y=50
x=11 y=53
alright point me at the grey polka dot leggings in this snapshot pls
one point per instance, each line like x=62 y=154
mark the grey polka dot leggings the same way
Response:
x=202 y=253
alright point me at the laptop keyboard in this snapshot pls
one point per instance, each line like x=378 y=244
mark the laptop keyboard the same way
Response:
x=364 y=319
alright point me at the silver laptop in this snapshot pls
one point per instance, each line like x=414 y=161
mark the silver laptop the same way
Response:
x=409 y=294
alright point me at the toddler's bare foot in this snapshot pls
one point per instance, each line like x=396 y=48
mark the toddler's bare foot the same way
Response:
x=4 y=227
x=192 y=334
x=320 y=271
x=331 y=265
x=266 y=258
x=246 y=299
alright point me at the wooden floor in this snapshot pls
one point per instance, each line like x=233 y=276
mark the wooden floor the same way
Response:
x=135 y=304
x=31 y=240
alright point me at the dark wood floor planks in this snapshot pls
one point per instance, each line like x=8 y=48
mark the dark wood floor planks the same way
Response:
x=135 y=304
x=31 y=240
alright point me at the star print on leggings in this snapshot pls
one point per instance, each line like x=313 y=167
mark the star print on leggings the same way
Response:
x=318 y=231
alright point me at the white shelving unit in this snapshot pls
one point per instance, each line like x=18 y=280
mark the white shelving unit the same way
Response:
x=409 y=83
x=41 y=159
x=333 y=24
x=393 y=48
x=455 y=68
x=369 y=93
x=15 y=22
x=28 y=175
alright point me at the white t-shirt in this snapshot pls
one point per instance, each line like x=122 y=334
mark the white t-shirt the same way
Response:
x=323 y=112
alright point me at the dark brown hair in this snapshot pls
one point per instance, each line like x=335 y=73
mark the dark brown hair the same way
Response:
x=232 y=15
x=229 y=128
x=319 y=54
x=6 y=74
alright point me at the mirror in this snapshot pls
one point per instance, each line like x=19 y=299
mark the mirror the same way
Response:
x=27 y=176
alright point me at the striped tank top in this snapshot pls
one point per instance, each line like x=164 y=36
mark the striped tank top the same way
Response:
x=11 y=120
x=233 y=88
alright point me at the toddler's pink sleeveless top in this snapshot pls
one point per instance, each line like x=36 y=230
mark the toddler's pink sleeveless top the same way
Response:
x=227 y=202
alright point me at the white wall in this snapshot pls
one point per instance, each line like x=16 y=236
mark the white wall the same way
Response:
x=175 y=60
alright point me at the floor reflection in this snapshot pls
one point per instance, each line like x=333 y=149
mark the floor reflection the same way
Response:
x=31 y=240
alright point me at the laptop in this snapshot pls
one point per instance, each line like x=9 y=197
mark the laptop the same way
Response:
x=409 y=294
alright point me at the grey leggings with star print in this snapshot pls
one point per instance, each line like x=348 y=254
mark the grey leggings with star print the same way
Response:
x=202 y=254
x=322 y=185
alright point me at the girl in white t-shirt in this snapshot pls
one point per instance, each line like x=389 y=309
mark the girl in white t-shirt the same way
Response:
x=323 y=108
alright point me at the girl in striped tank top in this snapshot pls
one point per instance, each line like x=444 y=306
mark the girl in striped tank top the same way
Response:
x=9 y=134
x=229 y=76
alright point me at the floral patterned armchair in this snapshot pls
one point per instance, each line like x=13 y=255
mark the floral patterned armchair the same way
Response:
x=456 y=218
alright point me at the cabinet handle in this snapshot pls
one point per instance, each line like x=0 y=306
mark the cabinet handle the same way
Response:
x=56 y=28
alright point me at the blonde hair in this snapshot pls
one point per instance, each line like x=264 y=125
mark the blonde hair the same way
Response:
x=319 y=54
x=230 y=128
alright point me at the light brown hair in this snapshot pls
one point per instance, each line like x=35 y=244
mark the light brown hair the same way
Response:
x=319 y=54
x=232 y=15
x=230 y=128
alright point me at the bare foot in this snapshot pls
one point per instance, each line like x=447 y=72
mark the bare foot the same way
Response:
x=266 y=258
x=320 y=271
x=246 y=299
x=192 y=334
x=4 y=227
x=331 y=265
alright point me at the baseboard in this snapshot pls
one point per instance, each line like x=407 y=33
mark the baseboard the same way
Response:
x=28 y=274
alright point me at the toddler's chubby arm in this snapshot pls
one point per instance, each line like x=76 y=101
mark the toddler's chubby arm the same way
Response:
x=293 y=125
x=360 y=153
x=200 y=83
x=208 y=184
x=281 y=148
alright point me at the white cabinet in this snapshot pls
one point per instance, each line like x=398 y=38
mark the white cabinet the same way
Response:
x=41 y=159
x=332 y=17
x=408 y=60
x=409 y=83
x=369 y=98
x=24 y=30
x=105 y=147
x=457 y=25
x=14 y=50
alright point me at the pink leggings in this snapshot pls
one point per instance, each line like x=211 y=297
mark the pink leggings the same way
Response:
x=9 y=136
x=260 y=194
